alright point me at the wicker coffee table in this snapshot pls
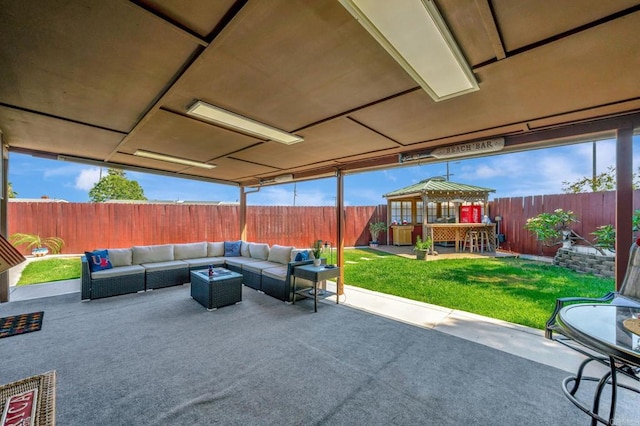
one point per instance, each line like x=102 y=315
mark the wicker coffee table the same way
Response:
x=224 y=288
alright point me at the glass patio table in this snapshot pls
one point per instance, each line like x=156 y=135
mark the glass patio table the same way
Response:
x=607 y=331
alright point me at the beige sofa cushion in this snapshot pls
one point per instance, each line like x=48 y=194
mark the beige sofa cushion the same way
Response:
x=190 y=251
x=244 y=249
x=118 y=272
x=215 y=249
x=151 y=254
x=259 y=251
x=165 y=266
x=280 y=254
x=278 y=272
x=120 y=257
x=239 y=261
x=258 y=267
x=205 y=261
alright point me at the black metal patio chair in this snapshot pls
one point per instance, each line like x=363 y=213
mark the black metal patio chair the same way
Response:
x=628 y=295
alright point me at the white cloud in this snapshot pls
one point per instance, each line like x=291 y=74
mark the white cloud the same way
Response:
x=281 y=196
x=54 y=172
x=364 y=196
x=87 y=178
x=390 y=176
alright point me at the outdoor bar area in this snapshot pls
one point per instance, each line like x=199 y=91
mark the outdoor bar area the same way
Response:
x=451 y=214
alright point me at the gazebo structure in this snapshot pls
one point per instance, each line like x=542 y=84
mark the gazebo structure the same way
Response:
x=441 y=209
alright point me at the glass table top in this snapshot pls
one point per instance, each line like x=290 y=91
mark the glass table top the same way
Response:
x=602 y=327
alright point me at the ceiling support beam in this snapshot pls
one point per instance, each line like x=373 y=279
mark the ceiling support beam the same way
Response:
x=624 y=200
x=484 y=8
x=171 y=85
x=605 y=126
x=98 y=163
x=175 y=25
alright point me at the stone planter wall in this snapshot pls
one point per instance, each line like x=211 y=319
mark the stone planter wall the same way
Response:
x=586 y=262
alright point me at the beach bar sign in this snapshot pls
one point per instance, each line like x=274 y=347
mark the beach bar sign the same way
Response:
x=469 y=148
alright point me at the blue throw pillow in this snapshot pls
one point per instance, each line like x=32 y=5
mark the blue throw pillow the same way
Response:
x=303 y=255
x=98 y=260
x=232 y=248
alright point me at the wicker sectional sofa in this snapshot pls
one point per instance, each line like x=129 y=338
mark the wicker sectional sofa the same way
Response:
x=141 y=268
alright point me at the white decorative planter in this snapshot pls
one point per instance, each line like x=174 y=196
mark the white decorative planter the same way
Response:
x=39 y=252
x=316 y=262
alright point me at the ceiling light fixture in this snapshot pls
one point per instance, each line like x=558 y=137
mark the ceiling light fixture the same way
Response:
x=277 y=179
x=416 y=36
x=170 y=159
x=243 y=124
x=283 y=178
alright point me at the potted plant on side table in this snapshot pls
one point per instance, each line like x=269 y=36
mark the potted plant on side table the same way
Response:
x=316 y=250
x=375 y=228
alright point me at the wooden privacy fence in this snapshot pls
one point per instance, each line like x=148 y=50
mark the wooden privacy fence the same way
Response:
x=87 y=226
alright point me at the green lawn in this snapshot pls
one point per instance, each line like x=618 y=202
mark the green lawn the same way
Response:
x=514 y=290
x=50 y=269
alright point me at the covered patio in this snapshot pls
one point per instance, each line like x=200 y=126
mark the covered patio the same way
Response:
x=252 y=93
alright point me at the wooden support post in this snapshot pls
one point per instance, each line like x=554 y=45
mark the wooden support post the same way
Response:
x=4 y=196
x=243 y=214
x=624 y=200
x=340 y=221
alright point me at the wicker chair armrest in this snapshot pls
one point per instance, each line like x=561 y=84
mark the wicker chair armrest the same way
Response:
x=289 y=279
x=85 y=279
x=563 y=301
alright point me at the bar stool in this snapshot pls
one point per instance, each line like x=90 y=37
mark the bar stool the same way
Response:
x=471 y=241
x=485 y=241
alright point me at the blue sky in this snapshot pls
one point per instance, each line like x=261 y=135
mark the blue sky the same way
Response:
x=535 y=172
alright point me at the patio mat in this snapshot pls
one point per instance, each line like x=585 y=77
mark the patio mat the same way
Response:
x=20 y=324
x=29 y=401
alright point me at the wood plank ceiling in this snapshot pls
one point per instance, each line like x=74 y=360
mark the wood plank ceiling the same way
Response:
x=96 y=81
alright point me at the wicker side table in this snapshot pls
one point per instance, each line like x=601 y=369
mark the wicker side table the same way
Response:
x=225 y=288
x=44 y=412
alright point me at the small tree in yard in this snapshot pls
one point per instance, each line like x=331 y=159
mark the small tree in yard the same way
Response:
x=552 y=228
x=605 y=237
x=605 y=181
x=375 y=228
x=116 y=186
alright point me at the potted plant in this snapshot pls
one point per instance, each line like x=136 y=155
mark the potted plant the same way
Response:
x=422 y=247
x=39 y=246
x=375 y=228
x=316 y=250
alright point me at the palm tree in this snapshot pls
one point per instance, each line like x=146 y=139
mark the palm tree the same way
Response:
x=34 y=242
